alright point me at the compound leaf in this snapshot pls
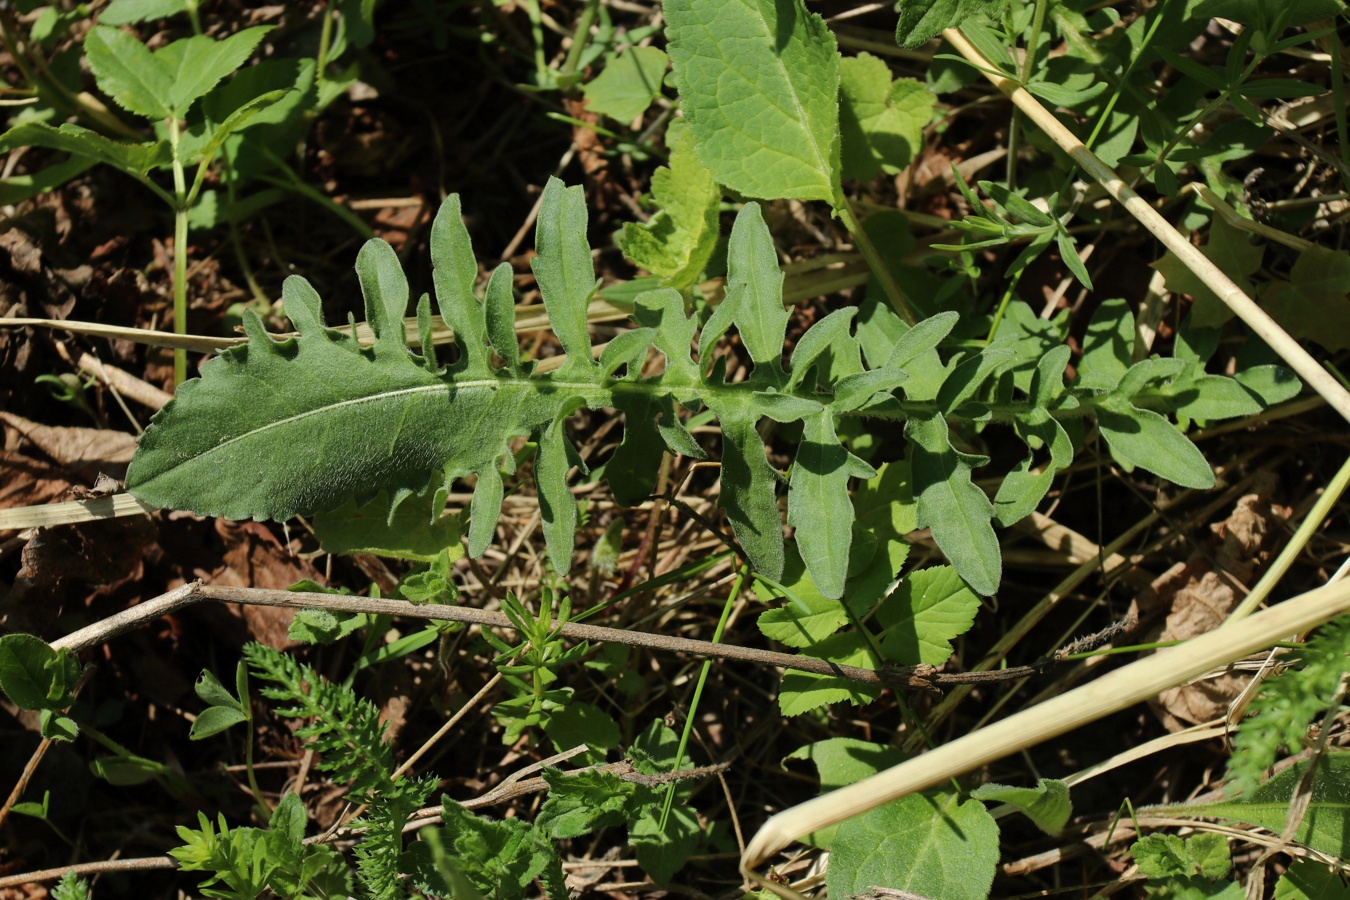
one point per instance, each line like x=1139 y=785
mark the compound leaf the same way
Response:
x=197 y=64
x=125 y=69
x=923 y=613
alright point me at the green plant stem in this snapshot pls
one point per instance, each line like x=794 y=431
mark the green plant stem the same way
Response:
x=293 y=183
x=537 y=33
x=1003 y=304
x=325 y=42
x=258 y=798
x=1313 y=521
x=1024 y=76
x=192 y=14
x=1204 y=114
x=698 y=693
x=1156 y=13
x=876 y=263
x=180 y=241
x=580 y=37
x=1338 y=94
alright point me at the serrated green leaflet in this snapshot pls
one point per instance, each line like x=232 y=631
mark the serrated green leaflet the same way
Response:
x=923 y=20
x=678 y=241
x=880 y=122
x=932 y=845
x=919 y=619
x=759 y=81
x=1047 y=804
x=129 y=73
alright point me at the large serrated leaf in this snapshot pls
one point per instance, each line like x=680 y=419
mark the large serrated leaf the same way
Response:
x=759 y=84
x=197 y=64
x=931 y=845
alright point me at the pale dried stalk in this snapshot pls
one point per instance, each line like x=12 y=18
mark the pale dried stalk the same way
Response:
x=1246 y=309
x=45 y=515
x=1108 y=694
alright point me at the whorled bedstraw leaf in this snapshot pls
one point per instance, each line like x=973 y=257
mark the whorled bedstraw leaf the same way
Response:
x=679 y=240
x=759 y=84
x=920 y=617
x=923 y=20
x=627 y=84
x=880 y=122
x=930 y=844
x=953 y=506
x=1047 y=804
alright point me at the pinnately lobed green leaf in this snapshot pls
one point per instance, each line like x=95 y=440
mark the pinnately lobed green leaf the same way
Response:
x=312 y=424
x=315 y=423
x=759 y=82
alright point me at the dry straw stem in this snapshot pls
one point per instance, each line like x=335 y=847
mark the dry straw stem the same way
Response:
x=1108 y=694
x=1298 y=359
